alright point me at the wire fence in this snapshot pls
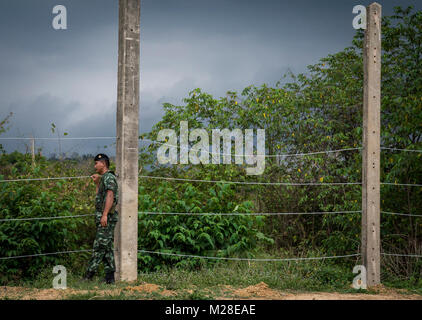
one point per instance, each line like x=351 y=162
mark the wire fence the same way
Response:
x=401 y=184
x=253 y=182
x=187 y=256
x=47 y=218
x=44 y=254
x=250 y=155
x=215 y=214
x=247 y=259
x=212 y=213
x=406 y=150
x=45 y=179
x=402 y=214
x=402 y=255
x=245 y=213
x=217 y=153
x=220 y=181
x=61 y=138
x=215 y=258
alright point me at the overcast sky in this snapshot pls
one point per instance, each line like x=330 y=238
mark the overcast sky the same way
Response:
x=69 y=77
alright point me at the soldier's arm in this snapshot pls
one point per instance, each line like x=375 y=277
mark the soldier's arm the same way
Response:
x=108 y=202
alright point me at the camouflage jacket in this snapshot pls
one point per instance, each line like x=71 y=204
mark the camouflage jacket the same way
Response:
x=108 y=182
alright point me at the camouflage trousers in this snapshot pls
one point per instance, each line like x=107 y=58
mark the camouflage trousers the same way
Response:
x=103 y=244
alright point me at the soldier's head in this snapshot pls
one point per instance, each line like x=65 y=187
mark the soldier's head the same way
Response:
x=102 y=163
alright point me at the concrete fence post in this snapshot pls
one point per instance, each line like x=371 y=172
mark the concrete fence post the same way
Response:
x=126 y=233
x=371 y=146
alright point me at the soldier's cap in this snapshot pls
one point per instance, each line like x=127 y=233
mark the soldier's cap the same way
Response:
x=101 y=156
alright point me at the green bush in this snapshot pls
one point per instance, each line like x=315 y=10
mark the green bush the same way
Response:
x=37 y=199
x=204 y=235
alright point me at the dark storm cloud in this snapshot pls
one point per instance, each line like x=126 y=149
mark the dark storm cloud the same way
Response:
x=70 y=77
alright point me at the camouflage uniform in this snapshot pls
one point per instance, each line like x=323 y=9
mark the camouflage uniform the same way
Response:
x=104 y=239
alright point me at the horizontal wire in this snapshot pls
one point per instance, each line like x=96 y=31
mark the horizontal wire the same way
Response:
x=246 y=214
x=260 y=183
x=159 y=142
x=214 y=213
x=246 y=259
x=402 y=214
x=44 y=254
x=394 y=149
x=184 y=255
x=186 y=213
x=193 y=180
x=215 y=258
x=61 y=138
x=43 y=179
x=402 y=255
x=401 y=184
x=220 y=181
x=46 y=218
x=249 y=155
x=146 y=139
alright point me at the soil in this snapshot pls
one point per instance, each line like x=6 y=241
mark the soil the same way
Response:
x=260 y=291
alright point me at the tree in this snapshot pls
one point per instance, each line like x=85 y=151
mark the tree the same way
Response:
x=3 y=128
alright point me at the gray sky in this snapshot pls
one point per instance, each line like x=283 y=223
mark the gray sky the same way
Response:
x=69 y=77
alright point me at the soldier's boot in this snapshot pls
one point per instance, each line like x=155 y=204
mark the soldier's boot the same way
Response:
x=109 y=278
x=89 y=275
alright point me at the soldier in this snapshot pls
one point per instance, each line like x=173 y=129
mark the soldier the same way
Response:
x=106 y=218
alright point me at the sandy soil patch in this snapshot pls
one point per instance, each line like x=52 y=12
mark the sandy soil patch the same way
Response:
x=260 y=291
x=150 y=288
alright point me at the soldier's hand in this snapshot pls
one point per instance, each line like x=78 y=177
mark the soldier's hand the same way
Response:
x=96 y=177
x=104 y=221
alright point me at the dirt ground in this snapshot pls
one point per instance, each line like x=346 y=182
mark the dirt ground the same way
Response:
x=260 y=291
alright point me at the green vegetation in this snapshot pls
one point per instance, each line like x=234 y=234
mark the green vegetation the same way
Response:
x=321 y=110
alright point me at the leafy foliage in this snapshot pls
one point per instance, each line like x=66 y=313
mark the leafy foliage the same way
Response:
x=206 y=235
x=39 y=199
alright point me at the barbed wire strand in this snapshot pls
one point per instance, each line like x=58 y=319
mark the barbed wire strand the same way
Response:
x=43 y=179
x=221 y=181
x=46 y=218
x=249 y=155
x=179 y=147
x=160 y=142
x=402 y=255
x=402 y=214
x=245 y=214
x=191 y=180
x=401 y=184
x=395 y=149
x=61 y=138
x=45 y=254
x=246 y=259
x=208 y=257
x=260 y=183
x=214 y=213
x=184 y=255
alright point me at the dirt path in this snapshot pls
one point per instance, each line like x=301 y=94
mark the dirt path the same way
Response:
x=153 y=291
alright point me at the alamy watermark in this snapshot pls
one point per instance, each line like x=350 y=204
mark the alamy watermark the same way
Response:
x=359 y=22
x=359 y=282
x=200 y=151
x=60 y=21
x=59 y=281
